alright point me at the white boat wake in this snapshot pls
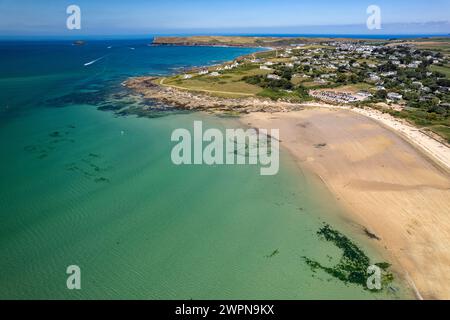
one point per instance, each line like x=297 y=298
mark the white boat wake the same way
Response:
x=92 y=62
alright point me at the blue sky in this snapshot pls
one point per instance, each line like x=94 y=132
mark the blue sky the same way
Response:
x=116 y=17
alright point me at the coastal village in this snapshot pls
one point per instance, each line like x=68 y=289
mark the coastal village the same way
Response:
x=405 y=79
x=396 y=74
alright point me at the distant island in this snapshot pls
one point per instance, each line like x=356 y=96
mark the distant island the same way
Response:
x=79 y=43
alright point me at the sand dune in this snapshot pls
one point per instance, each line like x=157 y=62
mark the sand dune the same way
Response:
x=385 y=183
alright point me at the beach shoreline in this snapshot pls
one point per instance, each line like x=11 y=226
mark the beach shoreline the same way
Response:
x=430 y=145
x=382 y=182
x=377 y=167
x=391 y=177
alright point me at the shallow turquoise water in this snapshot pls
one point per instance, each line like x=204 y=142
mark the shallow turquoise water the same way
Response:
x=85 y=187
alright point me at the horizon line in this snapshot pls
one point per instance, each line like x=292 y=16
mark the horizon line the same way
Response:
x=243 y=34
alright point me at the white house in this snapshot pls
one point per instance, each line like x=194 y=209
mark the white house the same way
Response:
x=394 y=96
x=273 y=77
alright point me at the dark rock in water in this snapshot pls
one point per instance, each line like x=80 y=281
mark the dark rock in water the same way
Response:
x=55 y=134
x=150 y=112
x=109 y=107
x=30 y=148
x=72 y=167
x=83 y=96
x=79 y=43
x=102 y=179
x=94 y=155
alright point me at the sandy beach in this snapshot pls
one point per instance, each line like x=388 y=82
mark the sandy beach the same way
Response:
x=392 y=177
x=428 y=143
x=388 y=185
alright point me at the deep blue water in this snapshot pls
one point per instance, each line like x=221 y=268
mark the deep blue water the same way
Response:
x=33 y=72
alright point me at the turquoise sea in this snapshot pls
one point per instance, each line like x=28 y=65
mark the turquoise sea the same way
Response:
x=82 y=186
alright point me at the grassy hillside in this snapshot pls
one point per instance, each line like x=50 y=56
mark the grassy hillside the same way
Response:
x=228 y=84
x=238 y=41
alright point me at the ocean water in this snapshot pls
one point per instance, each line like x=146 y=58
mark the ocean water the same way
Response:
x=85 y=187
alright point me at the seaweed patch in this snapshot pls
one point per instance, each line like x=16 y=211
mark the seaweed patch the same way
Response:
x=273 y=254
x=371 y=235
x=320 y=145
x=55 y=134
x=45 y=148
x=101 y=179
x=90 y=168
x=352 y=267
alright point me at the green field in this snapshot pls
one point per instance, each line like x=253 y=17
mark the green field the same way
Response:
x=362 y=86
x=433 y=43
x=442 y=130
x=228 y=84
x=442 y=69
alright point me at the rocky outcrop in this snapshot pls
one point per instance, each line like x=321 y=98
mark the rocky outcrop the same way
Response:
x=189 y=100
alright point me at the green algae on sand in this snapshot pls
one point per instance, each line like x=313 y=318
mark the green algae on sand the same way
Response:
x=353 y=266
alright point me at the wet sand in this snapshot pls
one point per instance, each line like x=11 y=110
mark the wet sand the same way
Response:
x=386 y=184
